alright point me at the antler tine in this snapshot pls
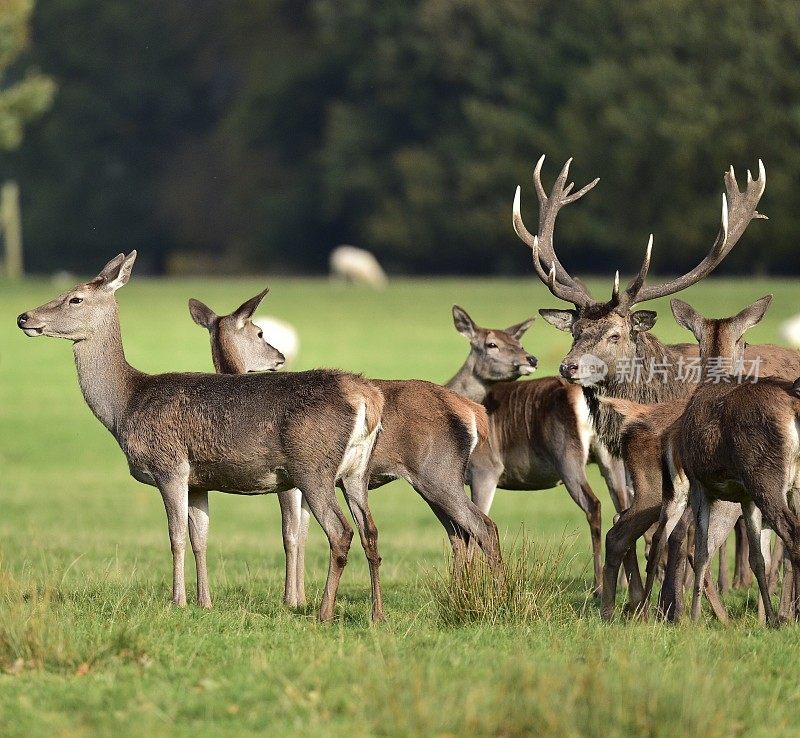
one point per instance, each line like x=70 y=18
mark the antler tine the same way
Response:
x=738 y=209
x=532 y=241
x=638 y=281
x=562 y=291
x=615 y=289
x=549 y=205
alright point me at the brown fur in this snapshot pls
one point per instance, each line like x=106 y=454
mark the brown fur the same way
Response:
x=426 y=438
x=535 y=436
x=187 y=433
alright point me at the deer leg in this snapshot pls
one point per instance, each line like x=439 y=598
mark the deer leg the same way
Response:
x=752 y=519
x=670 y=599
x=722 y=519
x=701 y=558
x=785 y=612
x=483 y=486
x=612 y=470
x=300 y=577
x=459 y=538
x=452 y=507
x=578 y=487
x=325 y=508
x=356 y=495
x=776 y=557
x=766 y=553
x=742 y=574
x=724 y=577
x=671 y=513
x=621 y=545
x=175 y=494
x=290 y=502
x=198 y=536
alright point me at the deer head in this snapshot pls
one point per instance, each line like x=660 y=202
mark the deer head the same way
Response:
x=612 y=331
x=497 y=355
x=722 y=338
x=79 y=313
x=237 y=344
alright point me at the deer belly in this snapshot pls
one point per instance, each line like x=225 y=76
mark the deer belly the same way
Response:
x=730 y=490
x=525 y=470
x=237 y=479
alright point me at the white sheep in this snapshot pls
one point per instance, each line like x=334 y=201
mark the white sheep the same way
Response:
x=789 y=331
x=357 y=265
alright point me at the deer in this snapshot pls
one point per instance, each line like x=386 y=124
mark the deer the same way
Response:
x=738 y=442
x=238 y=346
x=617 y=337
x=428 y=434
x=190 y=433
x=540 y=432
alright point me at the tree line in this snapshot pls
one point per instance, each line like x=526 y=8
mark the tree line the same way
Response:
x=256 y=136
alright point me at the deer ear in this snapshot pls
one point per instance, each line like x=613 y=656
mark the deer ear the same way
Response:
x=752 y=314
x=518 y=330
x=108 y=272
x=687 y=317
x=201 y=314
x=643 y=320
x=245 y=311
x=561 y=319
x=117 y=272
x=463 y=323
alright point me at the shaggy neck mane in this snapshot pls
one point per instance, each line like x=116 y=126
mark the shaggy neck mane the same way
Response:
x=662 y=387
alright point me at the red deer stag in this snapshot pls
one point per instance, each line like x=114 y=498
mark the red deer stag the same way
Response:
x=615 y=337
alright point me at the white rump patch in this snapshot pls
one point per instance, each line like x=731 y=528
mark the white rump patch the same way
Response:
x=359 y=448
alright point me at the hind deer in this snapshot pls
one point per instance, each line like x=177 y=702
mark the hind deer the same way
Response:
x=617 y=335
x=189 y=433
x=238 y=346
x=736 y=443
x=540 y=433
x=428 y=434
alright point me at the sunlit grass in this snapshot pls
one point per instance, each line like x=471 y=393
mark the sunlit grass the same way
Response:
x=89 y=644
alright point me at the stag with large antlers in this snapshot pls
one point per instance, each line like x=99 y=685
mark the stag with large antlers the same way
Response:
x=615 y=336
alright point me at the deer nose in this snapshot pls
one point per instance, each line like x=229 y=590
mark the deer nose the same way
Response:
x=22 y=319
x=568 y=370
x=532 y=360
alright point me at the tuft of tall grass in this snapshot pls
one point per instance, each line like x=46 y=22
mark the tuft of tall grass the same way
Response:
x=531 y=589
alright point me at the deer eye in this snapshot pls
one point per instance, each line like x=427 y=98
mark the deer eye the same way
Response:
x=261 y=334
x=75 y=300
x=614 y=337
x=491 y=345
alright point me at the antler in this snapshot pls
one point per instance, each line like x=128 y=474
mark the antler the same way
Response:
x=545 y=261
x=738 y=209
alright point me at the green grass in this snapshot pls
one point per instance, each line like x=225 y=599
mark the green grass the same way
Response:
x=89 y=645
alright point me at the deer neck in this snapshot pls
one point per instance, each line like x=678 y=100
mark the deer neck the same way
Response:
x=225 y=362
x=104 y=375
x=468 y=384
x=665 y=387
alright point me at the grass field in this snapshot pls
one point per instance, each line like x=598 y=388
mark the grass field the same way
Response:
x=89 y=644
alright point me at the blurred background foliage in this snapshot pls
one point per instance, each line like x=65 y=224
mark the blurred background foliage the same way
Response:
x=255 y=135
